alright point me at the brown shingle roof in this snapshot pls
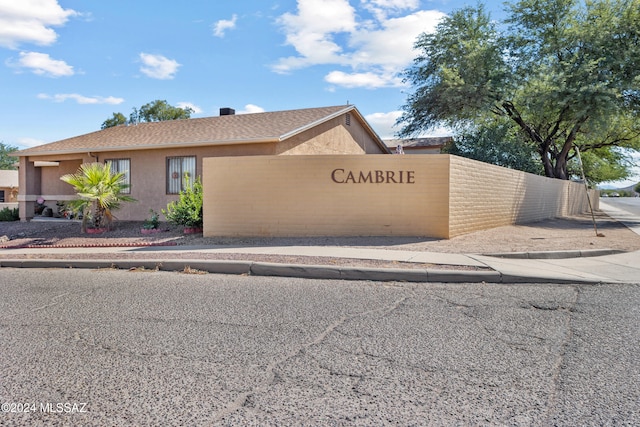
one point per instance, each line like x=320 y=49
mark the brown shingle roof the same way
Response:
x=234 y=129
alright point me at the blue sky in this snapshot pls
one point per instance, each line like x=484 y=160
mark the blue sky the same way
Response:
x=67 y=65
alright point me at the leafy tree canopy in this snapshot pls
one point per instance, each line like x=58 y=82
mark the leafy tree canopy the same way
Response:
x=156 y=111
x=558 y=73
x=7 y=162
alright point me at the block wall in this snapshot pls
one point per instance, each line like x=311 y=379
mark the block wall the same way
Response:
x=485 y=196
x=317 y=196
x=437 y=196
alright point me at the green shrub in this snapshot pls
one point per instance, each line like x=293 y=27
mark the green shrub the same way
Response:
x=187 y=211
x=7 y=214
x=152 y=222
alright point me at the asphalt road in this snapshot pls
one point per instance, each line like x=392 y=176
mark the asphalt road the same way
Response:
x=629 y=204
x=123 y=348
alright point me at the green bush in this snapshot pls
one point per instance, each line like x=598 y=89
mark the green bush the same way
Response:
x=7 y=214
x=187 y=211
x=152 y=222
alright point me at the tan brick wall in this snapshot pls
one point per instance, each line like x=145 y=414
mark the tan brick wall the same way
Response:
x=296 y=196
x=447 y=196
x=486 y=196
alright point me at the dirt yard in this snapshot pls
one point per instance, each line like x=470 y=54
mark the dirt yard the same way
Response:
x=550 y=235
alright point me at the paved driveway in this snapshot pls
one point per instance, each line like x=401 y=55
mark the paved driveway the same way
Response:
x=83 y=347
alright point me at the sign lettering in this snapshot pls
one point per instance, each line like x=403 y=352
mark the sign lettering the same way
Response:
x=342 y=176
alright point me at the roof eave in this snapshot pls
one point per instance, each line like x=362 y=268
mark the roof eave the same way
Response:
x=25 y=153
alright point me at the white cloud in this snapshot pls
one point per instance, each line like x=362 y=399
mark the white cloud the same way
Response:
x=368 y=80
x=42 y=64
x=312 y=32
x=250 y=109
x=390 y=45
x=375 y=50
x=158 y=66
x=30 y=142
x=81 y=99
x=30 y=21
x=220 y=27
x=384 y=125
x=194 y=107
x=382 y=8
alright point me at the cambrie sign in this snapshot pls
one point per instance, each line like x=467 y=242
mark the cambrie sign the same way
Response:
x=342 y=176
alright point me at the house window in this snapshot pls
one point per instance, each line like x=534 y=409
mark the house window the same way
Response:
x=181 y=171
x=1 y=196
x=122 y=166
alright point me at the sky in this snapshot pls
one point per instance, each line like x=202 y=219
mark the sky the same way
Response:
x=67 y=65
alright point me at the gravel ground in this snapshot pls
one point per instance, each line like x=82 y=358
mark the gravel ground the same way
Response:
x=550 y=235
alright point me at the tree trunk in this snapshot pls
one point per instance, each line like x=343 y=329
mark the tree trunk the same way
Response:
x=557 y=169
x=549 y=170
x=560 y=169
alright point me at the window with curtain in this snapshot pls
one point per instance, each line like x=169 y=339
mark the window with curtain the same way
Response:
x=181 y=171
x=122 y=166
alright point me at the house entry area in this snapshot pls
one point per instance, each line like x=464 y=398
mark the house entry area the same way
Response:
x=438 y=196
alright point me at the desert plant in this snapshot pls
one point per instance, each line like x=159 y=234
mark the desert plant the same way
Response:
x=152 y=222
x=99 y=193
x=187 y=211
x=8 y=214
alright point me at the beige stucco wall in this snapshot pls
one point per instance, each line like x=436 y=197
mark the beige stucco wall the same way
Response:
x=331 y=137
x=148 y=176
x=51 y=183
x=10 y=194
x=445 y=196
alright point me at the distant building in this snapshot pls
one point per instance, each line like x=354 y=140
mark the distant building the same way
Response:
x=8 y=186
x=429 y=145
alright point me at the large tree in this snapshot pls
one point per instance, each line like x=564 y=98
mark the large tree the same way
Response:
x=155 y=111
x=563 y=73
x=6 y=160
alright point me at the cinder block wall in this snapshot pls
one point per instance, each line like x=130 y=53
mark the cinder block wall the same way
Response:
x=485 y=196
x=433 y=195
x=315 y=196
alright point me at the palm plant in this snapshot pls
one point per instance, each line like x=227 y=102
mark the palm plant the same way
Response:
x=99 y=193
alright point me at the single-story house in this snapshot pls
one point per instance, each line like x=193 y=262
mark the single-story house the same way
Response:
x=8 y=186
x=427 y=145
x=157 y=156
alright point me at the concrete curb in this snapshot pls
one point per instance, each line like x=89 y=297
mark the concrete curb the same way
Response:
x=556 y=254
x=291 y=270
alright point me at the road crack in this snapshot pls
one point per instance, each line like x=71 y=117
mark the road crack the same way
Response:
x=241 y=400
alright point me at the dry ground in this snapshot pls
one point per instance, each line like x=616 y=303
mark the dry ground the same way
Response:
x=550 y=235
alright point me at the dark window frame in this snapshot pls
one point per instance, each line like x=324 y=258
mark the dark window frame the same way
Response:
x=127 y=172
x=178 y=162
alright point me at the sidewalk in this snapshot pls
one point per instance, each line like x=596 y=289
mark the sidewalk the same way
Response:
x=579 y=266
